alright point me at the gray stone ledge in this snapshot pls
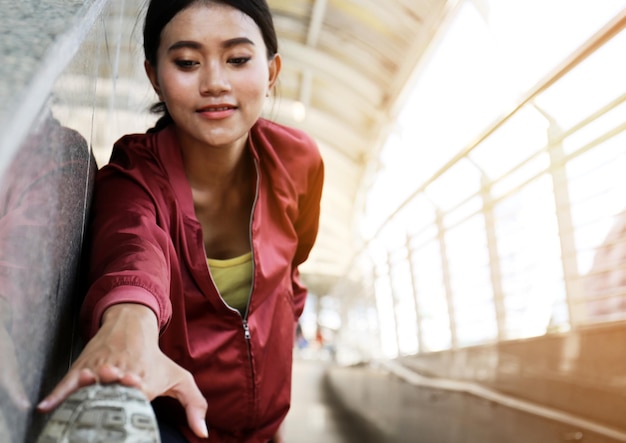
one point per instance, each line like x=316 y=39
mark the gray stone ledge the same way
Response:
x=38 y=40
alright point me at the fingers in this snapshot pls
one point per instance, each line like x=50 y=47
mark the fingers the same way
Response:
x=77 y=379
x=188 y=394
x=197 y=423
x=109 y=374
x=70 y=383
x=134 y=380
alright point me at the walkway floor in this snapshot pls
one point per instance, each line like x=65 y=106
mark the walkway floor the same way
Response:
x=314 y=418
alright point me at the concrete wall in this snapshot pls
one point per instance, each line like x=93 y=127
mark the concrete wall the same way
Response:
x=59 y=98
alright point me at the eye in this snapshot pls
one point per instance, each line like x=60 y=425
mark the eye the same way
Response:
x=186 y=64
x=238 y=61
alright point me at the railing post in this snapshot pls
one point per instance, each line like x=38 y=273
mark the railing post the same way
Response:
x=569 y=262
x=418 y=315
x=494 y=258
x=445 y=266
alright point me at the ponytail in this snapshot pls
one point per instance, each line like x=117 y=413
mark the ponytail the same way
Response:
x=165 y=119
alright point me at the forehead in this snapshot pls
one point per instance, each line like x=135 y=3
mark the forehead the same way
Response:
x=211 y=21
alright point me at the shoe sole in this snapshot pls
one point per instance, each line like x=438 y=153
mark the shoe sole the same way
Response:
x=102 y=414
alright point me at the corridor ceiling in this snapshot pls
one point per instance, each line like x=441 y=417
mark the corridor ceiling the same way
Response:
x=346 y=66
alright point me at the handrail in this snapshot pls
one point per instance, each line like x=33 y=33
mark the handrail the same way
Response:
x=591 y=45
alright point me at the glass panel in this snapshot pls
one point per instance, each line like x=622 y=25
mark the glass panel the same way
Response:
x=613 y=120
x=386 y=315
x=431 y=296
x=466 y=210
x=597 y=184
x=514 y=142
x=530 y=259
x=470 y=281
x=402 y=287
x=457 y=184
x=417 y=215
x=520 y=175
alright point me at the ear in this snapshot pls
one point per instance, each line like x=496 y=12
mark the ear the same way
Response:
x=275 y=65
x=152 y=76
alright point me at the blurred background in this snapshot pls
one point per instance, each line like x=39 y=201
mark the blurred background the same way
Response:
x=469 y=279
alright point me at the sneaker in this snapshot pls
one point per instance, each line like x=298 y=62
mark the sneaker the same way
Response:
x=97 y=413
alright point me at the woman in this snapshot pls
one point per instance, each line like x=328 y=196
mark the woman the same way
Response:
x=198 y=230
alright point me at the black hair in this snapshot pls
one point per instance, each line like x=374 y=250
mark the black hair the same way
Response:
x=161 y=12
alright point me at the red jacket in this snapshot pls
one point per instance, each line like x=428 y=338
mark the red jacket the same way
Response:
x=147 y=247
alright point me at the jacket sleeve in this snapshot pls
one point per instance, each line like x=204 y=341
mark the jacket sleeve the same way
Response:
x=130 y=249
x=307 y=225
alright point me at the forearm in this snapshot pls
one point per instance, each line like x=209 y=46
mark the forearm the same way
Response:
x=133 y=317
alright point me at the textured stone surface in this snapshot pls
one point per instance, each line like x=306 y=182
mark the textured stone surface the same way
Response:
x=43 y=206
x=39 y=39
x=50 y=51
x=29 y=28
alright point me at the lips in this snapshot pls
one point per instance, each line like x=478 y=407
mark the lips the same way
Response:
x=217 y=112
x=217 y=108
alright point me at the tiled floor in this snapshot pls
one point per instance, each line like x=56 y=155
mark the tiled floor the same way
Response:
x=313 y=417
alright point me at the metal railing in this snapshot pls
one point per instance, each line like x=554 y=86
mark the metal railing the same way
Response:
x=515 y=258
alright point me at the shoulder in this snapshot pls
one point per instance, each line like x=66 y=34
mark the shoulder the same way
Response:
x=288 y=153
x=152 y=152
x=130 y=148
x=135 y=158
x=285 y=141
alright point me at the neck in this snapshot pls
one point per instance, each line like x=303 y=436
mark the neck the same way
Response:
x=216 y=166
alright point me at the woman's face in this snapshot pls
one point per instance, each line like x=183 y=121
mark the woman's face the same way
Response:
x=213 y=73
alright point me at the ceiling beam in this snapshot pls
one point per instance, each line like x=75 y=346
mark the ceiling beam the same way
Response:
x=315 y=28
x=319 y=61
x=317 y=20
x=350 y=143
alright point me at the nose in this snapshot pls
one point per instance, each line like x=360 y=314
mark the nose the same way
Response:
x=214 y=79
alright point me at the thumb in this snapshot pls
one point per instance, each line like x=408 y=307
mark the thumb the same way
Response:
x=190 y=397
x=195 y=418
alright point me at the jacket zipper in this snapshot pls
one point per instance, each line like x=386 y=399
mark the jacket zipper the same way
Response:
x=246 y=330
x=254 y=202
x=244 y=318
x=246 y=327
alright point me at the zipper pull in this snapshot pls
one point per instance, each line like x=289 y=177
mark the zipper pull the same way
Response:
x=246 y=330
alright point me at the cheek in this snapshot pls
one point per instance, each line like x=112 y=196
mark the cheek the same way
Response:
x=253 y=87
x=173 y=83
x=254 y=80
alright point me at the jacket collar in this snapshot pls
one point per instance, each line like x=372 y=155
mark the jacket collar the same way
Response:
x=170 y=153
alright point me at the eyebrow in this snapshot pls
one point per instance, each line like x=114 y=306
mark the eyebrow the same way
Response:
x=196 y=45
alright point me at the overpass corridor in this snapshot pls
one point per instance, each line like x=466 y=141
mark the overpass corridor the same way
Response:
x=484 y=300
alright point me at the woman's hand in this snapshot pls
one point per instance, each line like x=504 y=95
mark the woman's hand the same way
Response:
x=125 y=350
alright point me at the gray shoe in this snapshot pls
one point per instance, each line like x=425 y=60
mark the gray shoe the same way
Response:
x=102 y=414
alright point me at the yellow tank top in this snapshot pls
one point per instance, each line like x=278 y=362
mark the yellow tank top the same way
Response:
x=233 y=278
